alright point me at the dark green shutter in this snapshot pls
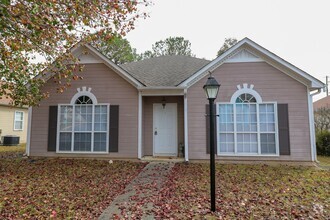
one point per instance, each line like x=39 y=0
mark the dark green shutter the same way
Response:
x=114 y=128
x=207 y=112
x=283 y=129
x=52 y=128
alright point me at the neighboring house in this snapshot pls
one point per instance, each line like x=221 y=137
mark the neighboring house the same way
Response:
x=13 y=120
x=322 y=103
x=154 y=106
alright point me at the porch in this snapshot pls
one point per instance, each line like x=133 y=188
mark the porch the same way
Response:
x=162 y=133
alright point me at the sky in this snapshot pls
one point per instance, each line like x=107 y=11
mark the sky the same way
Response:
x=296 y=30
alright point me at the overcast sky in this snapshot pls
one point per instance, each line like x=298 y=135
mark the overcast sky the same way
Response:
x=296 y=30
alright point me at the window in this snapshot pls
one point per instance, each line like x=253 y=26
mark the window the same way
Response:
x=247 y=126
x=18 y=120
x=83 y=126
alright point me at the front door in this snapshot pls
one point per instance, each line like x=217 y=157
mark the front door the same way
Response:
x=165 y=129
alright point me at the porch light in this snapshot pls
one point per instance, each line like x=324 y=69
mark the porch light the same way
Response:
x=163 y=102
x=211 y=89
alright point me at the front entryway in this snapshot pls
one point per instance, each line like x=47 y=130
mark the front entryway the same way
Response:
x=165 y=122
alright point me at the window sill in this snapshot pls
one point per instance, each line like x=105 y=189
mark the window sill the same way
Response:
x=81 y=152
x=248 y=155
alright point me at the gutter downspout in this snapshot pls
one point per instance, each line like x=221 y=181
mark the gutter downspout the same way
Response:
x=311 y=122
x=140 y=126
x=185 y=104
x=28 y=141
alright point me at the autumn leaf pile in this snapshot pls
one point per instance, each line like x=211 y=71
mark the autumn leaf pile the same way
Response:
x=245 y=192
x=61 y=188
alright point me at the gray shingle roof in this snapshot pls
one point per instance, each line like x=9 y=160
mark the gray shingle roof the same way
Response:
x=164 y=70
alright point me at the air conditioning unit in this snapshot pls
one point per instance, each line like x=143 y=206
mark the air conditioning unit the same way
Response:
x=10 y=140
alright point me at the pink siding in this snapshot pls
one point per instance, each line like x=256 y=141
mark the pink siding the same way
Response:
x=272 y=85
x=148 y=120
x=108 y=87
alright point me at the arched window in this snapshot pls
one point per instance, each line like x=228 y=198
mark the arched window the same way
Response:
x=246 y=125
x=83 y=125
x=246 y=98
x=84 y=100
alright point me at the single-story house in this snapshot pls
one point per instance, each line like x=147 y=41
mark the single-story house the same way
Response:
x=13 y=120
x=322 y=103
x=157 y=107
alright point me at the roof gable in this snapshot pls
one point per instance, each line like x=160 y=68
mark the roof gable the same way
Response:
x=248 y=51
x=88 y=54
x=94 y=56
x=243 y=56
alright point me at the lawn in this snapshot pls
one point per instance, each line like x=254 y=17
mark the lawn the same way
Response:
x=245 y=192
x=62 y=188
x=82 y=189
x=324 y=160
x=12 y=151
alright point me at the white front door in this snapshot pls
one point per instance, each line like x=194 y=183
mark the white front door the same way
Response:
x=165 y=129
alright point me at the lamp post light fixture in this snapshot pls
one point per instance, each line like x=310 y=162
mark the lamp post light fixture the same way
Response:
x=211 y=89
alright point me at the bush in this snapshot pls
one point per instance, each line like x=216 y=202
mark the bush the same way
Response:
x=323 y=142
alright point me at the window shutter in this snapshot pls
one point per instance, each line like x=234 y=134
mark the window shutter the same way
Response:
x=52 y=128
x=283 y=129
x=114 y=127
x=207 y=112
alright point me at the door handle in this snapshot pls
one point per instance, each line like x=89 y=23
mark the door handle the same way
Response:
x=155 y=133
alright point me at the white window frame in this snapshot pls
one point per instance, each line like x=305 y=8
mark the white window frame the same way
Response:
x=73 y=131
x=19 y=129
x=82 y=92
x=236 y=154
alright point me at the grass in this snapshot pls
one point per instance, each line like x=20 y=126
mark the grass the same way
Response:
x=324 y=160
x=12 y=151
x=61 y=188
x=245 y=192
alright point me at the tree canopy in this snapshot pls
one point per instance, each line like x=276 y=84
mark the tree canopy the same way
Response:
x=169 y=46
x=322 y=119
x=117 y=49
x=229 y=42
x=39 y=33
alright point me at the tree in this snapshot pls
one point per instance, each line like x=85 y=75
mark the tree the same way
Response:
x=229 y=42
x=38 y=34
x=170 y=46
x=322 y=119
x=117 y=49
x=146 y=55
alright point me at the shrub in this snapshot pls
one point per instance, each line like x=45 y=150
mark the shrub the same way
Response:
x=323 y=142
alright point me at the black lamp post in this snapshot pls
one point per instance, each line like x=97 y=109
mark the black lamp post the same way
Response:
x=211 y=89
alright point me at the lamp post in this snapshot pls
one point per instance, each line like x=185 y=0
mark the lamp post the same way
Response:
x=211 y=89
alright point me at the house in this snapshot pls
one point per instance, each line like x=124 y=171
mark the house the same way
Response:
x=157 y=107
x=322 y=103
x=13 y=120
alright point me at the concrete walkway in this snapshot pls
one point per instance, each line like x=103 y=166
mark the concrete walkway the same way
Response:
x=136 y=202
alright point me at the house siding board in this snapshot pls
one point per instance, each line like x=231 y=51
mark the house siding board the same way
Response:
x=272 y=85
x=7 y=114
x=148 y=102
x=108 y=87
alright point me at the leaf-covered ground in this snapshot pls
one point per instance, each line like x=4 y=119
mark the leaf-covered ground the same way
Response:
x=61 y=188
x=12 y=151
x=245 y=192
